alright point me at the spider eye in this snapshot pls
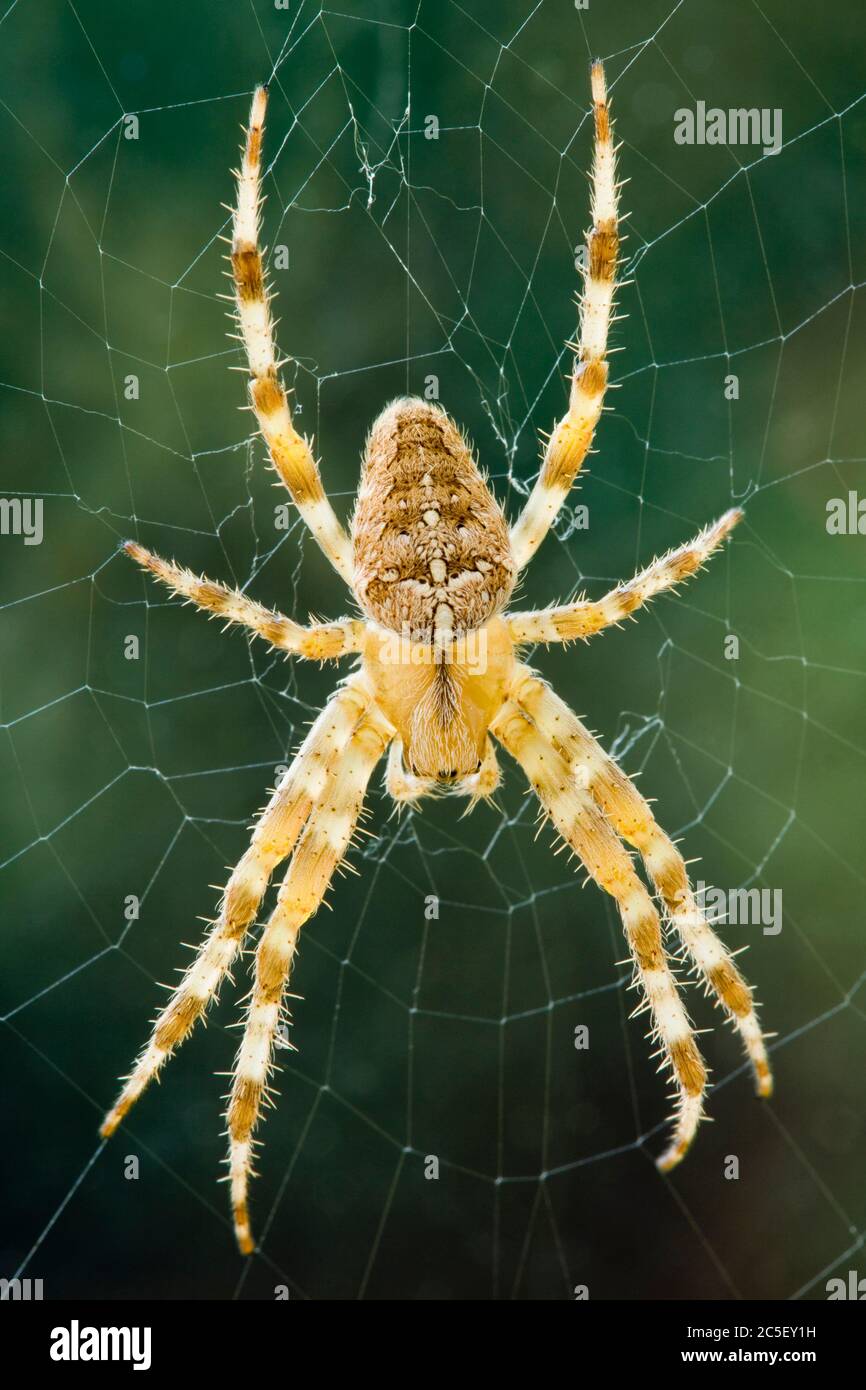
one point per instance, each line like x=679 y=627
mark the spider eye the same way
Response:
x=478 y=766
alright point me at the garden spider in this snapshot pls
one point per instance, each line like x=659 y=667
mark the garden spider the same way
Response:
x=431 y=563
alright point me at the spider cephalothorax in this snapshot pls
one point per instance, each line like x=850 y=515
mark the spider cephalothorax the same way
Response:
x=441 y=697
x=438 y=682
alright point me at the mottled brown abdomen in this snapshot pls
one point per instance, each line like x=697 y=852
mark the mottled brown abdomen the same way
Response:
x=431 y=547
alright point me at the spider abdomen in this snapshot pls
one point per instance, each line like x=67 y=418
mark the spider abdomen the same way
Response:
x=431 y=547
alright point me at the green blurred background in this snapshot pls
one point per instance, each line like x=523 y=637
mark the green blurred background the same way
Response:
x=411 y=257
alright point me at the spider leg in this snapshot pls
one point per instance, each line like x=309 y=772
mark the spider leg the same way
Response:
x=583 y=826
x=582 y=618
x=319 y=642
x=320 y=850
x=571 y=439
x=631 y=816
x=273 y=839
x=290 y=453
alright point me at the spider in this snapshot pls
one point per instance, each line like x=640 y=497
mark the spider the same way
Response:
x=431 y=564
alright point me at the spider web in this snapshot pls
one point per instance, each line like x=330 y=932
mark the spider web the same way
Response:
x=442 y=993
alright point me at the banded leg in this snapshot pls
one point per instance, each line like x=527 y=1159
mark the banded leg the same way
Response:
x=273 y=839
x=571 y=439
x=631 y=816
x=321 y=848
x=583 y=618
x=290 y=452
x=320 y=642
x=583 y=826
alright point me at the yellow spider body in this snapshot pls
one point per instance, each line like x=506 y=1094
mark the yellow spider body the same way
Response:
x=441 y=698
x=432 y=563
